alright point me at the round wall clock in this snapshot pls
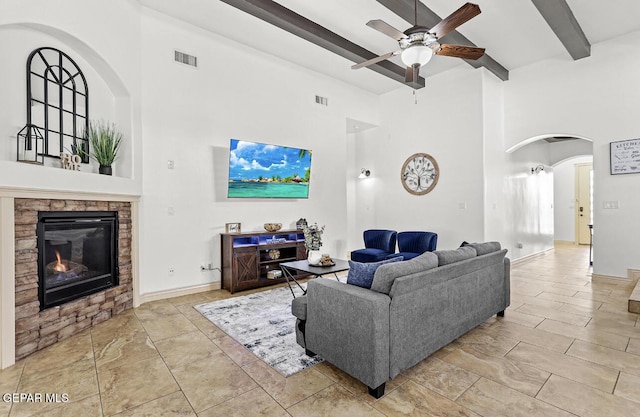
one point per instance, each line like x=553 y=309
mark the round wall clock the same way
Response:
x=419 y=173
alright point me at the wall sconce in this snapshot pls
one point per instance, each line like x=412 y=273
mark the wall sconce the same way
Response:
x=364 y=173
x=537 y=169
x=30 y=145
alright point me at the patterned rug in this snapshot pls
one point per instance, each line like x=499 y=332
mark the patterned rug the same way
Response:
x=263 y=323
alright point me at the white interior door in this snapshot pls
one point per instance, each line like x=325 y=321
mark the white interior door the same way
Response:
x=583 y=202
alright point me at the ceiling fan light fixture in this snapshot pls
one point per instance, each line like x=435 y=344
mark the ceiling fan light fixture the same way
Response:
x=416 y=54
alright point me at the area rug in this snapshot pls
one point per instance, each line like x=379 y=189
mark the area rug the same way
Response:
x=263 y=323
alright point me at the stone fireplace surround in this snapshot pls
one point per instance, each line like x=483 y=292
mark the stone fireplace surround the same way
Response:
x=35 y=329
x=13 y=294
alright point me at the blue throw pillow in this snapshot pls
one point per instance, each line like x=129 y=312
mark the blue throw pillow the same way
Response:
x=361 y=274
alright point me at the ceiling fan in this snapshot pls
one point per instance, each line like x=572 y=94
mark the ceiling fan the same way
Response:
x=419 y=43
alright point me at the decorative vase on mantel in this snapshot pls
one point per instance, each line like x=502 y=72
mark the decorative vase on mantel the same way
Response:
x=314 y=257
x=105 y=170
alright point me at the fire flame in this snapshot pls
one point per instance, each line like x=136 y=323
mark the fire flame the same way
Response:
x=59 y=266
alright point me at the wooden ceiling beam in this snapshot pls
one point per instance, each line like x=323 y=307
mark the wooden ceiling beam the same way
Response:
x=561 y=20
x=427 y=17
x=278 y=15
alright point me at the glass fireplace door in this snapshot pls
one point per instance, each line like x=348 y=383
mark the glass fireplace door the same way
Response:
x=77 y=254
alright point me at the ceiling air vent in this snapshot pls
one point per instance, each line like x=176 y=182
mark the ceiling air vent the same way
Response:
x=186 y=59
x=322 y=100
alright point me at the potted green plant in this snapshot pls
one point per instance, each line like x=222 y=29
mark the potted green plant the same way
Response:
x=313 y=242
x=104 y=144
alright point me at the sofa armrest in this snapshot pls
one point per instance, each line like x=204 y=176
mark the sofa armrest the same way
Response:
x=299 y=307
x=349 y=327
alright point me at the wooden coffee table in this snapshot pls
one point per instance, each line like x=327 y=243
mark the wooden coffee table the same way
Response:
x=315 y=271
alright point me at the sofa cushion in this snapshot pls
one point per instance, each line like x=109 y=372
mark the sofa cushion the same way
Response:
x=361 y=274
x=486 y=247
x=299 y=307
x=386 y=274
x=369 y=255
x=446 y=257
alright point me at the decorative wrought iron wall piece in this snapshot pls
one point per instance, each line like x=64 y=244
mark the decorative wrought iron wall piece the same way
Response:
x=58 y=102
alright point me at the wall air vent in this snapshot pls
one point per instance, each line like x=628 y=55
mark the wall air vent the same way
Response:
x=322 y=100
x=186 y=59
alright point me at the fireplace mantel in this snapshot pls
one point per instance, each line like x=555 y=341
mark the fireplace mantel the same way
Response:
x=8 y=195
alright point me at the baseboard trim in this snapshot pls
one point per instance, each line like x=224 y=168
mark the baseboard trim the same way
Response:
x=603 y=278
x=564 y=243
x=632 y=277
x=526 y=258
x=178 y=292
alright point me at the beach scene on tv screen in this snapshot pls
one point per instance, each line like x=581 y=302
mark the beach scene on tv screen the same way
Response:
x=259 y=170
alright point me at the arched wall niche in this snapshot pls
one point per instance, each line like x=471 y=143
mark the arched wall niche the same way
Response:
x=101 y=66
x=115 y=101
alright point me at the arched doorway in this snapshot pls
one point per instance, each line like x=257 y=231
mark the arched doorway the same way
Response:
x=533 y=211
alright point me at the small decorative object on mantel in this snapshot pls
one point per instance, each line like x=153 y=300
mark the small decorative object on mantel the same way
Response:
x=70 y=161
x=272 y=227
x=104 y=140
x=301 y=224
x=30 y=145
x=313 y=243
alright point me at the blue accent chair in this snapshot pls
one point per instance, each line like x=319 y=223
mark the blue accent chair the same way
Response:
x=378 y=243
x=412 y=244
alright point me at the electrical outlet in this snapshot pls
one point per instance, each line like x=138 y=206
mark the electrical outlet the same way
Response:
x=171 y=270
x=519 y=245
x=171 y=164
x=611 y=205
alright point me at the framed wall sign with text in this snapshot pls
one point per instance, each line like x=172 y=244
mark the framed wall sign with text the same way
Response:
x=625 y=156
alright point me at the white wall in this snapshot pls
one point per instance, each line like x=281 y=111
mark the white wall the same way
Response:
x=447 y=124
x=529 y=214
x=496 y=200
x=564 y=191
x=483 y=193
x=361 y=196
x=189 y=115
x=596 y=98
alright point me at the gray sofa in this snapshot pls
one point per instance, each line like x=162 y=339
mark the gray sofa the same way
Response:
x=413 y=308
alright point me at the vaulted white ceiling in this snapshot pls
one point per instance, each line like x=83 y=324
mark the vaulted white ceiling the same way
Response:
x=513 y=32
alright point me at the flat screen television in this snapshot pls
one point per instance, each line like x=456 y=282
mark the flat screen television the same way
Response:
x=260 y=170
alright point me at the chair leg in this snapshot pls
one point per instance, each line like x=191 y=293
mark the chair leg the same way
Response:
x=377 y=392
x=500 y=313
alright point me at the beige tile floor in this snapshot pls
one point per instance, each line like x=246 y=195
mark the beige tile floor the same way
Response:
x=567 y=346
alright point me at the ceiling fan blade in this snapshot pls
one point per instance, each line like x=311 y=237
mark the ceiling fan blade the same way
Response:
x=374 y=60
x=461 y=51
x=455 y=19
x=412 y=74
x=387 y=29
